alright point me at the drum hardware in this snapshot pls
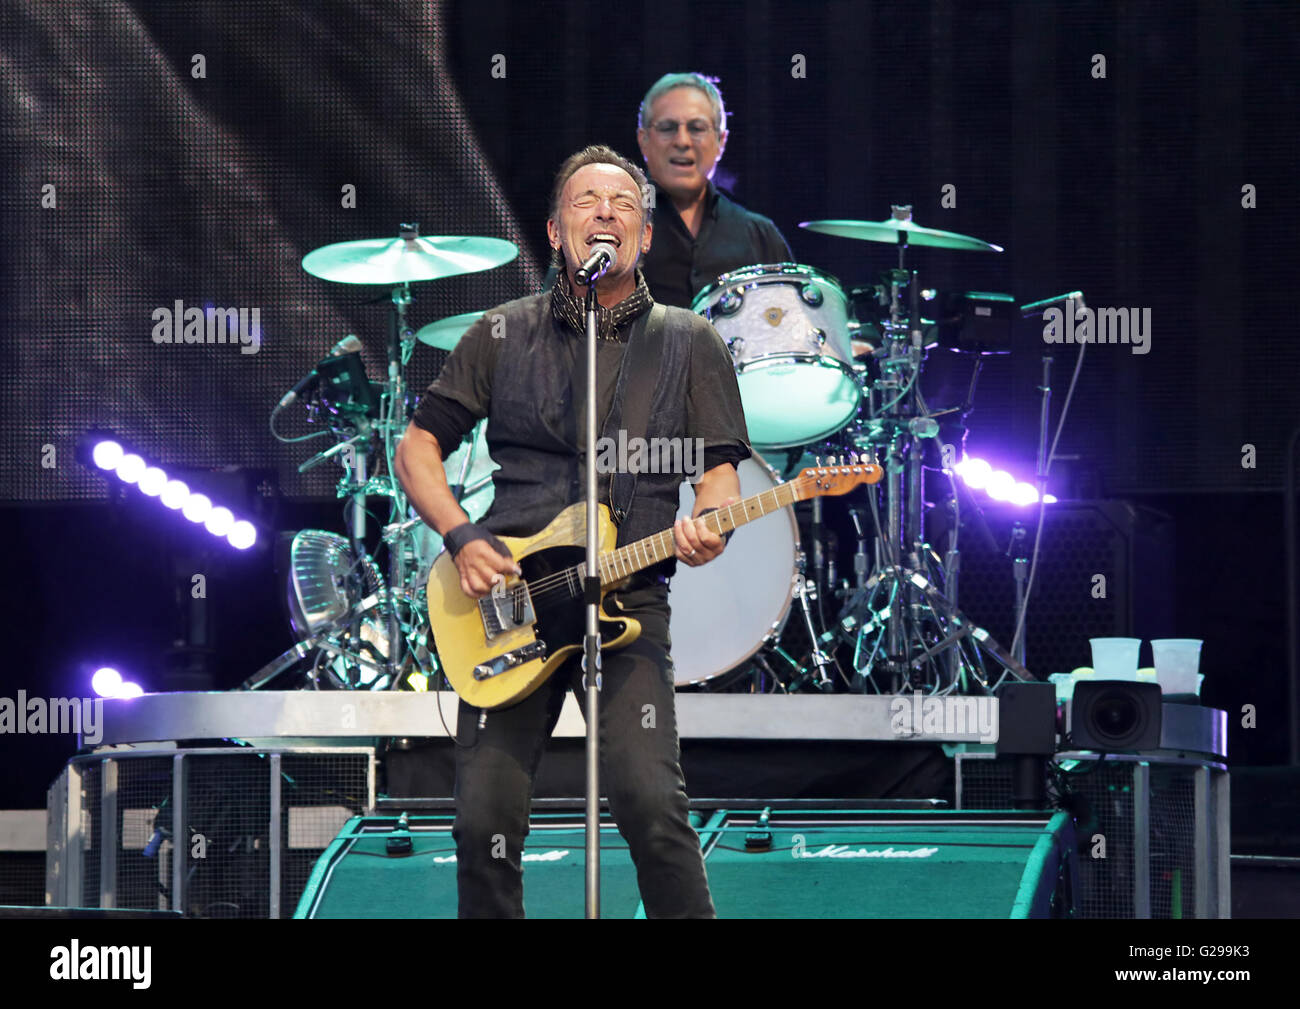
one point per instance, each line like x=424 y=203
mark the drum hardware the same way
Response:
x=376 y=639
x=904 y=633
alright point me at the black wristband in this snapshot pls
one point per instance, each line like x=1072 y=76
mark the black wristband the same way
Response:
x=456 y=539
x=726 y=537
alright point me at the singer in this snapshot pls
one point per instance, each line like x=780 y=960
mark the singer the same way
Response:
x=529 y=383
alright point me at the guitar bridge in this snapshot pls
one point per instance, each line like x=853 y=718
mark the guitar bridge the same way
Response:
x=506 y=609
x=499 y=664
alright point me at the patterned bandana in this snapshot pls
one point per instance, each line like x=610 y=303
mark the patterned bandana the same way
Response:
x=568 y=309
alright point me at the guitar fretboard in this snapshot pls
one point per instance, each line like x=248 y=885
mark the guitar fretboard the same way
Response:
x=616 y=565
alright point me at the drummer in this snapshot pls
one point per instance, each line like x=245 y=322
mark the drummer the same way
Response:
x=699 y=233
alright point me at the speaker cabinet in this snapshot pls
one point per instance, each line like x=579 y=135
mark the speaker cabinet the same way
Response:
x=762 y=862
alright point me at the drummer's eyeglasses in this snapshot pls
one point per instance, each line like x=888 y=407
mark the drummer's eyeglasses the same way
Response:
x=697 y=128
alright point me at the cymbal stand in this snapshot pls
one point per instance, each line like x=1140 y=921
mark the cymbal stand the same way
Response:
x=901 y=626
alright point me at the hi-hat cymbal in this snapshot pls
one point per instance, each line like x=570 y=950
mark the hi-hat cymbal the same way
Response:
x=900 y=231
x=403 y=260
x=446 y=333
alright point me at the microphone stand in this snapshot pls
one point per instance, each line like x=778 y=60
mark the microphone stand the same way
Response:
x=591 y=642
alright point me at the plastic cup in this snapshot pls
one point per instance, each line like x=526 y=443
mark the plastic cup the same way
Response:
x=1115 y=658
x=1178 y=662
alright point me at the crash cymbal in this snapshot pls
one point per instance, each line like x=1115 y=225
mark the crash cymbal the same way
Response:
x=446 y=333
x=407 y=259
x=900 y=230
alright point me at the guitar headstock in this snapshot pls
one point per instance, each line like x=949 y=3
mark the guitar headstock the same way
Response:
x=839 y=475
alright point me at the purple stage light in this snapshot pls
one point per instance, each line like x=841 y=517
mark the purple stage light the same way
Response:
x=106 y=682
x=219 y=521
x=152 y=481
x=975 y=472
x=102 y=451
x=107 y=454
x=242 y=535
x=130 y=468
x=1001 y=485
x=1024 y=494
x=175 y=494
x=129 y=690
x=198 y=506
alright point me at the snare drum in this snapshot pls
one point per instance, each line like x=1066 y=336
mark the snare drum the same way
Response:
x=787 y=327
x=725 y=611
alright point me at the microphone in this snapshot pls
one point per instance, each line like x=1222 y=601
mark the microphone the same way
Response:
x=348 y=345
x=603 y=255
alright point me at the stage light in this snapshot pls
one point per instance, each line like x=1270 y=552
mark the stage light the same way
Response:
x=975 y=472
x=106 y=682
x=130 y=468
x=152 y=481
x=1049 y=499
x=130 y=690
x=175 y=494
x=103 y=451
x=242 y=535
x=107 y=454
x=219 y=521
x=1001 y=485
x=197 y=507
x=1024 y=494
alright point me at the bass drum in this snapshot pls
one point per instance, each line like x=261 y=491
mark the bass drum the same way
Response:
x=469 y=466
x=726 y=610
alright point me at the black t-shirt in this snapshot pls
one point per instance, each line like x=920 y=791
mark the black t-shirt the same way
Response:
x=679 y=265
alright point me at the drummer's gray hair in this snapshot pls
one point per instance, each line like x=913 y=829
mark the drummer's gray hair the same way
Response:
x=667 y=82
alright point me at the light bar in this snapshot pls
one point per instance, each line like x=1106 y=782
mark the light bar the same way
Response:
x=108 y=455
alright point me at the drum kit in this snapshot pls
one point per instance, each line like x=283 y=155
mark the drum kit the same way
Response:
x=821 y=376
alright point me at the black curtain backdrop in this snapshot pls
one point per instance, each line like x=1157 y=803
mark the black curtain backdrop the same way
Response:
x=211 y=190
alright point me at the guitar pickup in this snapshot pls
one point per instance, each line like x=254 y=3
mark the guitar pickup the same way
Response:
x=506 y=661
x=506 y=609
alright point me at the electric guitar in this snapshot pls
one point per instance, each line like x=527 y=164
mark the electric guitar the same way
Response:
x=497 y=650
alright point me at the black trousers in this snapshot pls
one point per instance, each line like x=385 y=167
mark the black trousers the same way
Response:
x=640 y=775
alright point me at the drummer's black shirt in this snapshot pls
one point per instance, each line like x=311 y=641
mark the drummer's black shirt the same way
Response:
x=679 y=265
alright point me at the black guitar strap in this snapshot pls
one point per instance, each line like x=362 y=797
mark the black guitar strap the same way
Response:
x=638 y=379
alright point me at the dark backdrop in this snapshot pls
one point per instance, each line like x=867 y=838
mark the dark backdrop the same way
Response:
x=211 y=190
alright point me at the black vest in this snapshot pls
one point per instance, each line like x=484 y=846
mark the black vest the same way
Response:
x=533 y=422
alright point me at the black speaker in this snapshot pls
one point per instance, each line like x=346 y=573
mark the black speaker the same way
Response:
x=1105 y=569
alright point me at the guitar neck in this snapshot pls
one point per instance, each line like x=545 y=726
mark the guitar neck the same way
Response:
x=627 y=560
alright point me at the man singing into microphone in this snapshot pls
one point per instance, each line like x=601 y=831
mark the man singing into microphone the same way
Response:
x=700 y=233
x=522 y=366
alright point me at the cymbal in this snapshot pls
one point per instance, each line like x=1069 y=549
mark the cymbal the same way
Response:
x=446 y=333
x=403 y=260
x=900 y=231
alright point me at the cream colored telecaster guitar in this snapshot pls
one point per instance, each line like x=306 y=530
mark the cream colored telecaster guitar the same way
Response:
x=497 y=650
